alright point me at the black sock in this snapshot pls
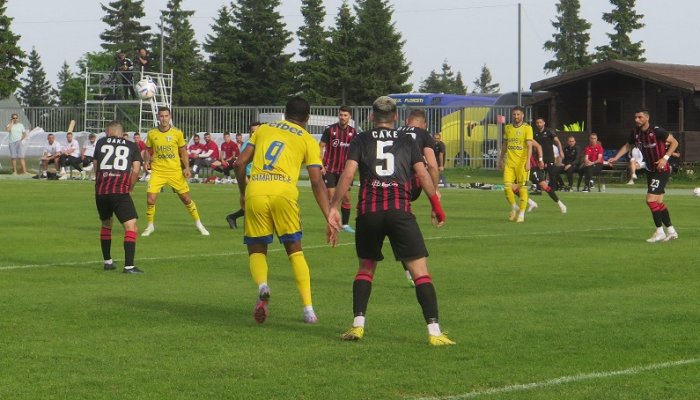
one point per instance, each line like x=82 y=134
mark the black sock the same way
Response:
x=665 y=217
x=657 y=218
x=106 y=243
x=427 y=298
x=361 y=289
x=345 y=212
x=238 y=214
x=552 y=194
x=129 y=247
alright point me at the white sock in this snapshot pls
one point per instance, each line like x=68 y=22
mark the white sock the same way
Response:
x=671 y=229
x=194 y=169
x=198 y=224
x=515 y=206
x=108 y=261
x=560 y=204
x=128 y=266
x=434 y=329
x=309 y=310
x=359 y=321
x=531 y=202
x=660 y=230
x=262 y=285
x=408 y=275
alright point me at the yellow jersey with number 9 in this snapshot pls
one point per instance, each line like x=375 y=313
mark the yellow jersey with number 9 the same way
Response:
x=166 y=149
x=281 y=148
x=516 y=144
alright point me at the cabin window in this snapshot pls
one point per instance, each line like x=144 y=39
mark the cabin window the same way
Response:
x=613 y=111
x=672 y=106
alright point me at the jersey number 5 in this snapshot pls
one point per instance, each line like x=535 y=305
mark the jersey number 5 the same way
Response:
x=115 y=158
x=386 y=160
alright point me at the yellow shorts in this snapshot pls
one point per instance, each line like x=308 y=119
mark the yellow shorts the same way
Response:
x=175 y=181
x=513 y=174
x=268 y=215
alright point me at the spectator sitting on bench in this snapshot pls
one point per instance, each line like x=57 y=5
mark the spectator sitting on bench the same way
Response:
x=636 y=163
x=592 y=162
x=194 y=150
x=229 y=152
x=571 y=161
x=209 y=154
x=52 y=154
x=87 y=154
x=71 y=156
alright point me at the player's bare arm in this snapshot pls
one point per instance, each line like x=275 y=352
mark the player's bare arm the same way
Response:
x=540 y=161
x=673 y=145
x=529 y=154
x=437 y=214
x=239 y=169
x=185 y=161
x=429 y=155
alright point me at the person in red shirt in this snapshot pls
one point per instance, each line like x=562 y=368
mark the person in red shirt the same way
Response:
x=592 y=162
x=229 y=152
x=142 y=148
x=209 y=154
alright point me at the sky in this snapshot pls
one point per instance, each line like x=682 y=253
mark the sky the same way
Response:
x=465 y=33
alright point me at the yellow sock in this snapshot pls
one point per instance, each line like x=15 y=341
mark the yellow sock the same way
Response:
x=258 y=267
x=302 y=277
x=523 y=197
x=192 y=209
x=150 y=213
x=510 y=196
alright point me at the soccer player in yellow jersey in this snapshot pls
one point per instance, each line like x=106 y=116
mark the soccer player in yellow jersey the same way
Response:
x=169 y=157
x=517 y=149
x=278 y=150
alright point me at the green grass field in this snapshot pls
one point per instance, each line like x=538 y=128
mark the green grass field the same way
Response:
x=574 y=306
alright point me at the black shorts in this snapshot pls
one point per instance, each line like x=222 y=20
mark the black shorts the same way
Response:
x=416 y=188
x=656 y=182
x=120 y=205
x=537 y=175
x=404 y=235
x=331 y=179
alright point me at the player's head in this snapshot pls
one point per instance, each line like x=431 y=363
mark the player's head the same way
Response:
x=253 y=126
x=384 y=110
x=416 y=118
x=114 y=129
x=593 y=138
x=239 y=137
x=69 y=137
x=539 y=123
x=344 y=115
x=137 y=137
x=195 y=138
x=227 y=136
x=438 y=137
x=207 y=137
x=50 y=138
x=125 y=135
x=92 y=137
x=297 y=110
x=641 y=118
x=164 y=116
x=517 y=114
x=571 y=141
x=14 y=117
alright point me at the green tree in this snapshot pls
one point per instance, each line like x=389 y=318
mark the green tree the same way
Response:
x=381 y=65
x=341 y=55
x=483 y=83
x=11 y=55
x=570 y=41
x=624 y=20
x=443 y=82
x=124 y=31
x=35 y=90
x=70 y=88
x=221 y=71
x=312 y=71
x=182 y=55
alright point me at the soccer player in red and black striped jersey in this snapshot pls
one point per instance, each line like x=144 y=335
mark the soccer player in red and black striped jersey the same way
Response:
x=657 y=146
x=334 y=143
x=117 y=162
x=387 y=160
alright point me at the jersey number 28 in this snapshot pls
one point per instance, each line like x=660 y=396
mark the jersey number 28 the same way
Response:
x=115 y=158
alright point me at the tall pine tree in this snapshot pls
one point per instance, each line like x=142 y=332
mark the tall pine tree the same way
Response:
x=624 y=20
x=483 y=83
x=182 y=55
x=124 y=31
x=221 y=71
x=263 y=65
x=35 y=90
x=570 y=41
x=443 y=82
x=341 y=55
x=312 y=71
x=11 y=55
x=381 y=65
x=70 y=88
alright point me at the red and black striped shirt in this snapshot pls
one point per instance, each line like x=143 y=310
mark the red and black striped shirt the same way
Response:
x=337 y=140
x=115 y=158
x=652 y=144
x=385 y=158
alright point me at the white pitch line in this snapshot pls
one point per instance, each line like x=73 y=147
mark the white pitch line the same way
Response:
x=565 y=379
x=313 y=247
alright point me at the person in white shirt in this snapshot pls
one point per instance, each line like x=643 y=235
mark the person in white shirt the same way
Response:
x=87 y=154
x=71 y=156
x=636 y=163
x=15 y=142
x=51 y=154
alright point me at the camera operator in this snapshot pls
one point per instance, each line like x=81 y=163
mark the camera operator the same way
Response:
x=125 y=70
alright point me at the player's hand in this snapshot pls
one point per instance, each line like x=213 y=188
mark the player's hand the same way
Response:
x=527 y=167
x=323 y=169
x=435 y=219
x=331 y=236
x=661 y=163
x=334 y=219
x=187 y=173
x=540 y=164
